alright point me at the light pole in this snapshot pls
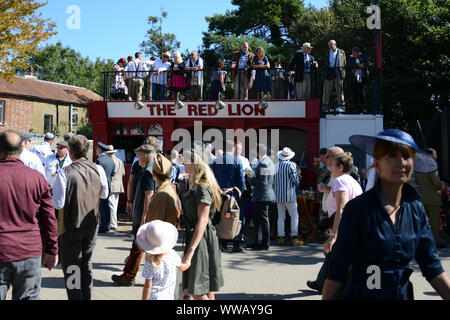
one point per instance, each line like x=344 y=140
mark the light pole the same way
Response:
x=374 y=23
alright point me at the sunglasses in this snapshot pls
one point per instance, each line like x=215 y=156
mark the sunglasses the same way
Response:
x=60 y=147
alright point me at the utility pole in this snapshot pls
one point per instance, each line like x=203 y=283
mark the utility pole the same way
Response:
x=374 y=23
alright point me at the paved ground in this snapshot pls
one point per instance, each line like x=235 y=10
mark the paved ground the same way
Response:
x=278 y=274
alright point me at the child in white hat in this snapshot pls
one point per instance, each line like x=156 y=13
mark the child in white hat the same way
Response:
x=158 y=238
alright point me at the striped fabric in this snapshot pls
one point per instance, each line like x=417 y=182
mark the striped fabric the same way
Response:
x=285 y=180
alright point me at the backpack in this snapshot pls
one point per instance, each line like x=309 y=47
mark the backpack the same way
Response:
x=229 y=224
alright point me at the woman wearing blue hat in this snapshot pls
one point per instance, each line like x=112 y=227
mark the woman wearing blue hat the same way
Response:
x=382 y=230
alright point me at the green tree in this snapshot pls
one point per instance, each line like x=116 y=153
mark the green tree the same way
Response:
x=60 y=64
x=21 y=30
x=416 y=64
x=270 y=20
x=158 y=42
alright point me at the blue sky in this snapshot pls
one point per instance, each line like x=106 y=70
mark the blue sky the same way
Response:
x=113 y=29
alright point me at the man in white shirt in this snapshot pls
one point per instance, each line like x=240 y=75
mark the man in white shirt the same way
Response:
x=56 y=161
x=44 y=149
x=336 y=63
x=84 y=183
x=137 y=71
x=159 y=76
x=28 y=158
x=148 y=89
x=195 y=65
x=243 y=160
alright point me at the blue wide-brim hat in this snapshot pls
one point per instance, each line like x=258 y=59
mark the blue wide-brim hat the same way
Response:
x=424 y=162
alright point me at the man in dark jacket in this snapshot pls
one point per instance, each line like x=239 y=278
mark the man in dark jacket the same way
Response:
x=303 y=65
x=335 y=64
x=357 y=64
x=263 y=195
x=108 y=165
x=229 y=174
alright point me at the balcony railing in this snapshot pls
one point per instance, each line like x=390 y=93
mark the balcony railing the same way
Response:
x=316 y=91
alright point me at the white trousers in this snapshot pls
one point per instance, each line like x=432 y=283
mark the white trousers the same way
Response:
x=291 y=207
x=113 y=204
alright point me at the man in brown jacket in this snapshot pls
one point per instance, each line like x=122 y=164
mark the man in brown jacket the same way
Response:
x=240 y=74
x=430 y=187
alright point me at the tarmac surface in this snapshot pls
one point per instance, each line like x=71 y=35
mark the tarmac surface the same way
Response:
x=277 y=274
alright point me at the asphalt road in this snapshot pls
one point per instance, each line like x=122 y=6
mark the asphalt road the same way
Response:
x=278 y=274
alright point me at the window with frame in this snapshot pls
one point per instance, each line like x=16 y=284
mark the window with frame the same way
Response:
x=48 y=123
x=2 y=112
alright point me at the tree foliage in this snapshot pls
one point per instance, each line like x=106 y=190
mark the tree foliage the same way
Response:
x=416 y=34
x=158 y=42
x=270 y=20
x=21 y=30
x=60 y=64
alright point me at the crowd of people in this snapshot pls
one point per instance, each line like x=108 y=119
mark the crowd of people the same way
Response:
x=368 y=219
x=251 y=73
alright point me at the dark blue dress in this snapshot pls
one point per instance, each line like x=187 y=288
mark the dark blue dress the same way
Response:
x=262 y=80
x=367 y=237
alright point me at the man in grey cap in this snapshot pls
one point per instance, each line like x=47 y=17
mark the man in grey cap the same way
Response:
x=108 y=165
x=56 y=161
x=30 y=159
x=44 y=149
x=145 y=188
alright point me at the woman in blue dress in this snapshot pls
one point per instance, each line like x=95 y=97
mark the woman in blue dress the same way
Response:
x=382 y=230
x=261 y=64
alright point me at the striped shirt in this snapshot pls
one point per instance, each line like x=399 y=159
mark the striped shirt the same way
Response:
x=285 y=180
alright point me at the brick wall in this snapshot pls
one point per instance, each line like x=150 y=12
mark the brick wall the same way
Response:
x=18 y=115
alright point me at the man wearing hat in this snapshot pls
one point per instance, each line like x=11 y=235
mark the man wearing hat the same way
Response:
x=303 y=65
x=285 y=181
x=44 y=149
x=30 y=159
x=67 y=136
x=145 y=188
x=279 y=84
x=357 y=63
x=56 y=161
x=108 y=165
x=116 y=185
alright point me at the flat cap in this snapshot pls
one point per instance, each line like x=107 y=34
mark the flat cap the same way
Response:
x=49 y=136
x=63 y=144
x=146 y=148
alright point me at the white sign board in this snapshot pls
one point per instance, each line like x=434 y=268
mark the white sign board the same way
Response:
x=206 y=109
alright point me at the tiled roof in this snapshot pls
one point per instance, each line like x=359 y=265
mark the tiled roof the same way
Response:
x=32 y=88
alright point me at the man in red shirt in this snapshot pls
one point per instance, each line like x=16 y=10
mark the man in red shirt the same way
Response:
x=24 y=195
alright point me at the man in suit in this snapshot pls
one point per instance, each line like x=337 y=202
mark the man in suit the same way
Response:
x=229 y=174
x=357 y=63
x=116 y=185
x=263 y=196
x=430 y=187
x=240 y=74
x=108 y=165
x=303 y=65
x=335 y=63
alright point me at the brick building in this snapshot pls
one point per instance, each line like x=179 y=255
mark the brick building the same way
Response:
x=31 y=105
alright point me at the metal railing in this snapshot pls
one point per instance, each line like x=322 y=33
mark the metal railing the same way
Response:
x=316 y=90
